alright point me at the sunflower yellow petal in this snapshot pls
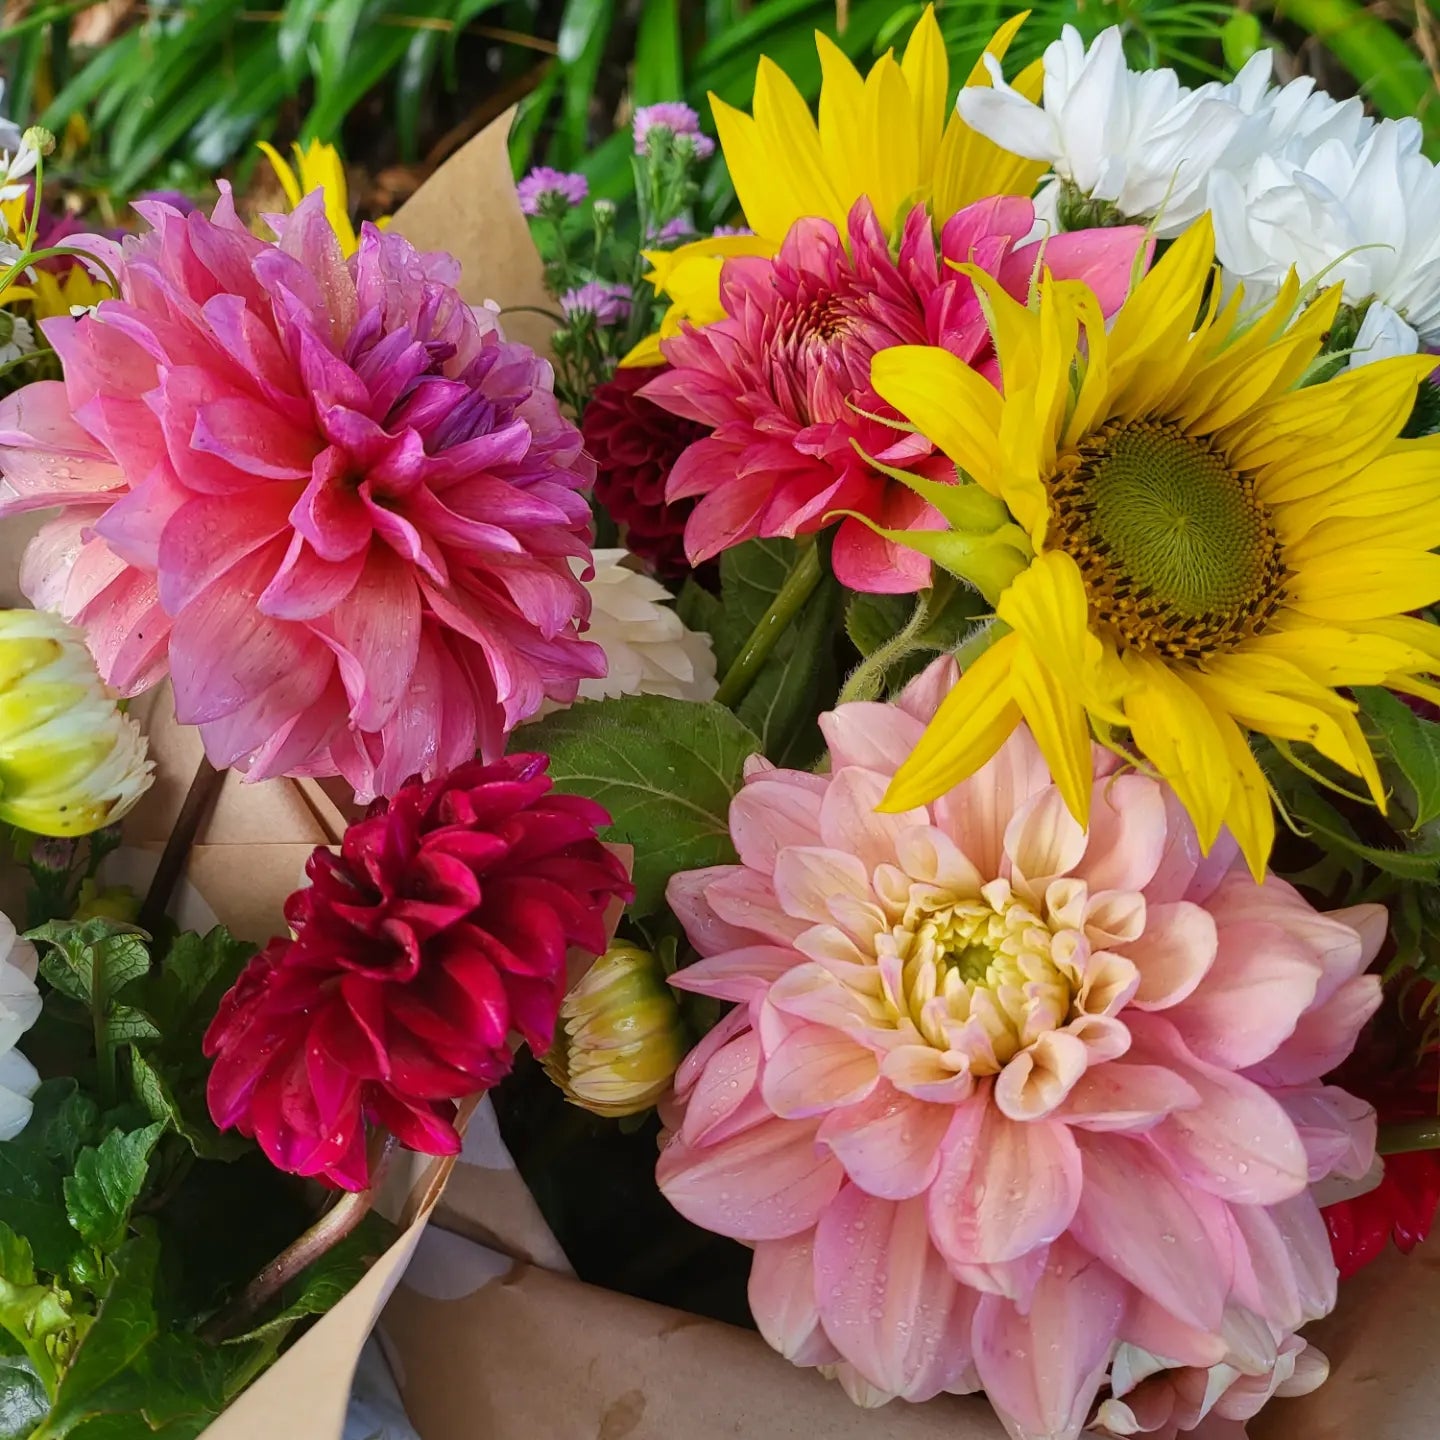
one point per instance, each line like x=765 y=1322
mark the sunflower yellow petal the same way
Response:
x=893 y=144
x=1060 y=726
x=283 y=173
x=1250 y=815
x=947 y=402
x=761 y=191
x=791 y=144
x=926 y=68
x=843 y=141
x=1334 y=657
x=973 y=722
x=1365 y=584
x=1405 y=478
x=1177 y=733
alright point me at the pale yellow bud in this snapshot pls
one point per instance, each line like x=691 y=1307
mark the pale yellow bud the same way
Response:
x=70 y=762
x=620 y=1037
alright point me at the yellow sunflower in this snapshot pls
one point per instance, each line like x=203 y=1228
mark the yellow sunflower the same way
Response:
x=1218 y=547
x=319 y=167
x=893 y=135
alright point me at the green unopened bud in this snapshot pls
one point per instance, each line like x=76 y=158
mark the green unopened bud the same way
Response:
x=114 y=902
x=38 y=138
x=1077 y=211
x=620 y=1038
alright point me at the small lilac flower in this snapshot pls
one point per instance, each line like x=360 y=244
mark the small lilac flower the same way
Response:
x=721 y=230
x=543 y=184
x=609 y=304
x=676 y=229
x=679 y=119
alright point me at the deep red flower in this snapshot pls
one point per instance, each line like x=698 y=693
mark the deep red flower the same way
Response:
x=1384 y=1071
x=635 y=445
x=441 y=927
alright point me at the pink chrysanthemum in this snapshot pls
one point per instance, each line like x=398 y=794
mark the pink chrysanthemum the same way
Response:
x=784 y=379
x=545 y=187
x=327 y=497
x=999 y=1095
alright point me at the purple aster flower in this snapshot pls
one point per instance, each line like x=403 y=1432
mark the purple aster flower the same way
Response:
x=543 y=184
x=676 y=229
x=609 y=304
x=677 y=118
x=720 y=230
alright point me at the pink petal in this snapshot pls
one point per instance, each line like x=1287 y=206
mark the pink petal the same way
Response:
x=867 y=733
x=1153 y=1328
x=977 y=812
x=1252 y=997
x=1003 y=1187
x=850 y=819
x=810 y=878
x=1238 y=1143
x=1174 y=954
x=1127 y=834
x=766 y=1183
x=207 y=535
x=740 y=975
x=686 y=894
x=1184 y=873
x=873 y=564
x=1042 y=1370
x=816 y=1069
x=1265 y=1279
x=725 y=1099
x=1136 y=1214
x=1043 y=841
x=771 y=812
x=1103 y=258
x=1336 y=1128
x=1325 y=1035
x=782 y=1300
x=888 y=1143
x=746 y=901
x=1124 y=1096
x=887 y=1301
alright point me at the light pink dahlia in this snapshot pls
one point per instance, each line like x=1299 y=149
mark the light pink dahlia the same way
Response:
x=326 y=497
x=784 y=379
x=999 y=1096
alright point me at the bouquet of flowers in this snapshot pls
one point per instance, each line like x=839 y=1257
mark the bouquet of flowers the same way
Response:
x=974 y=819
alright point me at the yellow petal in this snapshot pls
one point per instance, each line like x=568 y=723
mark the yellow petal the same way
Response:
x=948 y=402
x=842 y=119
x=769 y=209
x=1405 y=477
x=1250 y=816
x=892 y=144
x=791 y=147
x=1365 y=584
x=973 y=722
x=1333 y=656
x=927 y=73
x=283 y=173
x=1176 y=732
x=1061 y=729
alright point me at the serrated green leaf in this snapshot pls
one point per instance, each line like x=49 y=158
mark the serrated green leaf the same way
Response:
x=174 y=1386
x=23 y=1403
x=34 y=1200
x=81 y=956
x=666 y=771
x=1412 y=743
x=874 y=620
x=124 y=1325
x=107 y=1182
x=186 y=987
x=158 y=1097
x=62 y=1122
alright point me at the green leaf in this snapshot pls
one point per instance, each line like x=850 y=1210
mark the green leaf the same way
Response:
x=658 y=64
x=34 y=1200
x=751 y=576
x=1240 y=37
x=63 y=1121
x=186 y=987
x=1412 y=743
x=82 y=957
x=106 y=1184
x=666 y=771
x=22 y=1398
x=123 y=1327
x=157 y=1095
x=32 y=1313
x=175 y=1385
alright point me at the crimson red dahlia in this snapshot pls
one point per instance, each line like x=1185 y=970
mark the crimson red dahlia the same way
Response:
x=440 y=927
x=635 y=445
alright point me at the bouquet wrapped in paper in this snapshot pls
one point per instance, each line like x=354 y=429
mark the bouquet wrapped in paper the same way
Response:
x=899 y=760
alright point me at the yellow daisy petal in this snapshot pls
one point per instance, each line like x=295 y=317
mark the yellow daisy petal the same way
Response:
x=973 y=722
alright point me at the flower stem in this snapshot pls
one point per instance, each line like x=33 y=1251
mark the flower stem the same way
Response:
x=868 y=678
x=799 y=585
x=1408 y=1136
x=203 y=792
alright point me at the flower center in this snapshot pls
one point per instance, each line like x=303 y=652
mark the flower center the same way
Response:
x=1178 y=553
x=988 y=969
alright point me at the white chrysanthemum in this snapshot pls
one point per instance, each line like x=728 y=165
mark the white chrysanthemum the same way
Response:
x=19 y=1010
x=1361 y=207
x=649 y=650
x=1139 y=142
x=17 y=336
x=70 y=762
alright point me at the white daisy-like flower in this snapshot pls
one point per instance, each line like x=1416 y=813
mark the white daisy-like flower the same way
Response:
x=649 y=649
x=9 y=130
x=17 y=336
x=19 y=1010
x=1361 y=207
x=1138 y=143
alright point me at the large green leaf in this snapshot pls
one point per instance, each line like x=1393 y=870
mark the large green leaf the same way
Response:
x=34 y=1205
x=666 y=771
x=108 y=1180
x=1412 y=743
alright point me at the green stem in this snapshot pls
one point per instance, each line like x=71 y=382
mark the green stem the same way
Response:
x=868 y=678
x=99 y=1016
x=1409 y=1135
x=799 y=585
x=978 y=642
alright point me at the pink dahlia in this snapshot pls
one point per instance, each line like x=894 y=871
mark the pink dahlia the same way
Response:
x=326 y=497
x=784 y=379
x=999 y=1096
x=441 y=927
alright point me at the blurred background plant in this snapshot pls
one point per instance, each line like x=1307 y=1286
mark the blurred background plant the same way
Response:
x=169 y=93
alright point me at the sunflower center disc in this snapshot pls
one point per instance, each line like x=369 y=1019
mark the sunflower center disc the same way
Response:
x=1178 y=554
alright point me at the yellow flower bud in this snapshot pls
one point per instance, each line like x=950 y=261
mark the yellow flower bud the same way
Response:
x=114 y=902
x=620 y=1038
x=70 y=762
